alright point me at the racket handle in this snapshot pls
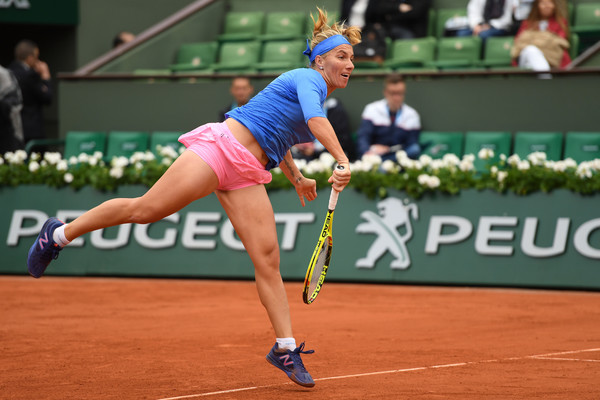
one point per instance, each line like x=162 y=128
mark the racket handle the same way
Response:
x=333 y=197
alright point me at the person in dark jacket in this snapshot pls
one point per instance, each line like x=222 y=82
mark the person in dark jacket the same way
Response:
x=33 y=76
x=11 y=131
x=389 y=125
x=405 y=19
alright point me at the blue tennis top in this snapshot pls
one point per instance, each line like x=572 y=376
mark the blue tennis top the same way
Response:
x=278 y=115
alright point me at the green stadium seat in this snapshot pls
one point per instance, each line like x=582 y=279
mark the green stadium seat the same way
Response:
x=582 y=146
x=574 y=42
x=165 y=139
x=122 y=143
x=411 y=53
x=550 y=143
x=443 y=15
x=437 y=144
x=457 y=52
x=284 y=26
x=587 y=24
x=499 y=142
x=431 y=22
x=497 y=52
x=237 y=57
x=587 y=17
x=241 y=26
x=77 y=142
x=282 y=55
x=195 y=57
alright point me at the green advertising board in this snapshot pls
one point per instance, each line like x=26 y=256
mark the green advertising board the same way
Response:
x=475 y=238
x=42 y=12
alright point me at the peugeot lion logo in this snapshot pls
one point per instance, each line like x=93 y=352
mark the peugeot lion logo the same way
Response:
x=393 y=215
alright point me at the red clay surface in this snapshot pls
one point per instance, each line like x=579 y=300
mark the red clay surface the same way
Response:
x=95 y=338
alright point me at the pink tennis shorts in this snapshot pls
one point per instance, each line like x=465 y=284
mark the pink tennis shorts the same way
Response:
x=234 y=165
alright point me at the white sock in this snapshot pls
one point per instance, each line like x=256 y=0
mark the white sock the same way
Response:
x=288 y=343
x=59 y=236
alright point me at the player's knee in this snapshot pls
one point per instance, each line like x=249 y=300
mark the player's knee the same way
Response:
x=268 y=259
x=143 y=212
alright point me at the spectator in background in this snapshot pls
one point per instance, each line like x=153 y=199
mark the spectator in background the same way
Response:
x=241 y=90
x=541 y=42
x=521 y=10
x=367 y=15
x=405 y=19
x=389 y=125
x=340 y=121
x=122 y=38
x=33 y=76
x=488 y=18
x=11 y=130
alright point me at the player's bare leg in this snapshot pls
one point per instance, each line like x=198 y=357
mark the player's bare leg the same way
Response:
x=189 y=178
x=251 y=214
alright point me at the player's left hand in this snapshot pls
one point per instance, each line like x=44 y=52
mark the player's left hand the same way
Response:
x=306 y=188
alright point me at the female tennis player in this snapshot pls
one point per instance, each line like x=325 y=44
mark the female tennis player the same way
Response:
x=233 y=160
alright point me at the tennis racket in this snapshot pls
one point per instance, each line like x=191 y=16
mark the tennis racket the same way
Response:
x=319 y=262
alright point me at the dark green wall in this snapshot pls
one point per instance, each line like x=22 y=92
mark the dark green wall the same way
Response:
x=477 y=103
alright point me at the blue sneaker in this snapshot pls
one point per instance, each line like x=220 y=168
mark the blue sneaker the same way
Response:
x=44 y=249
x=290 y=362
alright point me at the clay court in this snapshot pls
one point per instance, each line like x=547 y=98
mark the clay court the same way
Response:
x=96 y=338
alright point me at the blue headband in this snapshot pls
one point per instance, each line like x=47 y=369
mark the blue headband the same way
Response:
x=323 y=47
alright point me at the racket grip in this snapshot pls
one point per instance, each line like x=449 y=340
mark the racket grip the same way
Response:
x=333 y=198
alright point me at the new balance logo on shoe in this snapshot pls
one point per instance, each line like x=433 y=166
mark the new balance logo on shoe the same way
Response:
x=286 y=360
x=44 y=240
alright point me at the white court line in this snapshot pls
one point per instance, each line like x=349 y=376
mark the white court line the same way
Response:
x=537 y=356
x=565 y=359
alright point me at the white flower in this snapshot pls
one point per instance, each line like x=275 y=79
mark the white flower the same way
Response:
x=485 y=153
x=559 y=166
x=502 y=157
x=21 y=155
x=451 y=160
x=570 y=163
x=116 y=172
x=149 y=156
x=73 y=160
x=584 y=170
x=167 y=151
x=276 y=170
x=315 y=166
x=466 y=165
x=327 y=159
x=44 y=163
x=139 y=166
x=494 y=170
x=425 y=160
x=119 y=162
x=389 y=166
x=1 y=160
x=93 y=161
x=537 y=158
x=501 y=176
x=372 y=159
x=35 y=156
x=166 y=161
x=401 y=155
x=34 y=166
x=98 y=155
x=62 y=165
x=514 y=160
x=68 y=177
x=595 y=164
x=469 y=157
x=438 y=164
x=300 y=164
x=52 y=158
x=428 y=181
x=523 y=165
x=83 y=157
x=135 y=157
